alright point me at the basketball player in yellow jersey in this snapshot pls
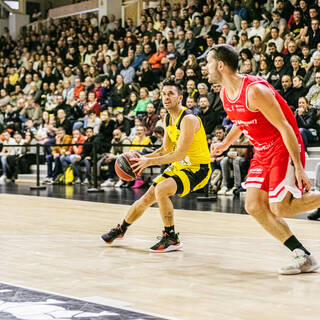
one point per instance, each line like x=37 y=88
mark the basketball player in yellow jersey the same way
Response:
x=185 y=148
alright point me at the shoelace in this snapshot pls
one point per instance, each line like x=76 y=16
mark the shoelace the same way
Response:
x=115 y=231
x=299 y=261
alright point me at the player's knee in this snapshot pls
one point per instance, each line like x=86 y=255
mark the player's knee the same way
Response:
x=163 y=190
x=254 y=208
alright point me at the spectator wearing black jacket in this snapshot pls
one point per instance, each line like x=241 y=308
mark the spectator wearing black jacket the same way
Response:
x=287 y=90
x=85 y=158
x=277 y=73
x=298 y=90
x=63 y=122
x=104 y=136
x=123 y=124
x=306 y=117
x=210 y=119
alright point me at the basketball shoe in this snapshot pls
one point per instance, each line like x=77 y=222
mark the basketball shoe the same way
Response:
x=167 y=243
x=115 y=233
x=301 y=263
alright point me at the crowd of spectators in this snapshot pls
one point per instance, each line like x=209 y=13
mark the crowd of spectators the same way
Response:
x=80 y=80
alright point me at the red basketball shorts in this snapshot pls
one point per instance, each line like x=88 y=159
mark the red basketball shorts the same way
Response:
x=272 y=170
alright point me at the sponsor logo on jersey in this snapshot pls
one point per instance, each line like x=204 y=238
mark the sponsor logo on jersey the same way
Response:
x=246 y=123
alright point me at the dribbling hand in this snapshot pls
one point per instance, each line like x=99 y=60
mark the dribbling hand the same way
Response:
x=139 y=164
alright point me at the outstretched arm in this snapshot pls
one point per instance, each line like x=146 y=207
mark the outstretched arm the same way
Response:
x=261 y=98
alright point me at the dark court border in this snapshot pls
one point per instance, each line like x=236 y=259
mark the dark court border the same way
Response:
x=15 y=298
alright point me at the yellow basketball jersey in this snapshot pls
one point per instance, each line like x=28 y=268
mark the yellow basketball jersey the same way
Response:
x=198 y=152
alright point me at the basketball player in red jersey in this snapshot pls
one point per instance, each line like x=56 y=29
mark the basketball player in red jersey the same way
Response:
x=276 y=179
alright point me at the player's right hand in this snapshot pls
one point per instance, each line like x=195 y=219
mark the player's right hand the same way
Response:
x=218 y=148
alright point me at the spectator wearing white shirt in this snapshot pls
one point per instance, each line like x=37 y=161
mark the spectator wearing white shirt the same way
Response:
x=256 y=30
x=276 y=39
x=127 y=72
x=218 y=20
x=6 y=151
x=227 y=32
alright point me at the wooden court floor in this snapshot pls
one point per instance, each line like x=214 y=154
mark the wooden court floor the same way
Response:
x=227 y=270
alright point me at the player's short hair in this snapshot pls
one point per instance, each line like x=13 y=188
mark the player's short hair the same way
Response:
x=171 y=82
x=227 y=54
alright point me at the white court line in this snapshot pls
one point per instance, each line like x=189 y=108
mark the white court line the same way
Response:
x=85 y=300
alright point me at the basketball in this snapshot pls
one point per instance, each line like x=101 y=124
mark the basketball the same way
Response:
x=123 y=165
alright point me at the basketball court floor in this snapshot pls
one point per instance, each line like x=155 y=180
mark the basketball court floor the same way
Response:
x=55 y=266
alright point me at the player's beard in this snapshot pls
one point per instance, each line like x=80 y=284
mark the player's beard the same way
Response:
x=216 y=76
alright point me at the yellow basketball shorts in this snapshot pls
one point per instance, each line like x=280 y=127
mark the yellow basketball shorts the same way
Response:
x=188 y=178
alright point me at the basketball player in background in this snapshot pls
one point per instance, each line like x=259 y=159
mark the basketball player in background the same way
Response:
x=277 y=185
x=185 y=148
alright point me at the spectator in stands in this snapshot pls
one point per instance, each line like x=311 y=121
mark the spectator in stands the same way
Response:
x=127 y=71
x=29 y=153
x=313 y=35
x=278 y=22
x=63 y=122
x=145 y=76
x=144 y=100
x=84 y=159
x=313 y=95
x=287 y=90
x=92 y=104
x=306 y=117
x=277 y=73
x=217 y=105
x=237 y=160
x=120 y=93
x=93 y=122
x=122 y=123
x=309 y=78
x=162 y=118
x=11 y=118
x=276 y=39
x=227 y=33
x=292 y=50
x=57 y=151
x=296 y=69
x=4 y=154
x=298 y=91
x=31 y=111
x=297 y=26
x=245 y=55
x=216 y=176
x=208 y=115
x=155 y=62
x=73 y=153
x=150 y=119
x=13 y=160
x=4 y=99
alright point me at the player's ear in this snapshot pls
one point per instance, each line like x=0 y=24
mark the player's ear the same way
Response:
x=220 y=65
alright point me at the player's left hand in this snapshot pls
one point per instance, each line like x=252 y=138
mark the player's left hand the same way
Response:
x=302 y=179
x=139 y=164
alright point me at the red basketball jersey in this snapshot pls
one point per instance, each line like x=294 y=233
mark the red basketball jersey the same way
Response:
x=259 y=130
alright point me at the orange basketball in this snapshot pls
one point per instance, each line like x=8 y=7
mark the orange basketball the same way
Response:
x=123 y=165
